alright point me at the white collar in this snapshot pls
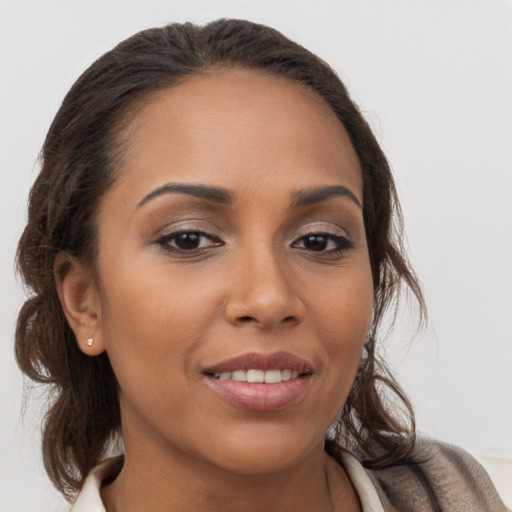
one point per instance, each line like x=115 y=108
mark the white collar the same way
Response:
x=89 y=498
x=370 y=501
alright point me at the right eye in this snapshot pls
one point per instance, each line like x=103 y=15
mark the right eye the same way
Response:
x=188 y=241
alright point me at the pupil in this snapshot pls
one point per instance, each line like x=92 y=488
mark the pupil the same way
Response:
x=316 y=242
x=187 y=240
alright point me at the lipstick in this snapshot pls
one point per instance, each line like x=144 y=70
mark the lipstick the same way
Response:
x=260 y=382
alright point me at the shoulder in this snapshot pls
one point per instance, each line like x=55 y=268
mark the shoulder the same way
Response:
x=443 y=477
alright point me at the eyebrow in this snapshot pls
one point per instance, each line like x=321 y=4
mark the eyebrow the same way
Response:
x=302 y=198
x=310 y=196
x=214 y=194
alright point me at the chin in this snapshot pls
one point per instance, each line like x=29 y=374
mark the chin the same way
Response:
x=259 y=453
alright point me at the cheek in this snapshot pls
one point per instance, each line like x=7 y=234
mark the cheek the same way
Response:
x=152 y=321
x=344 y=312
x=344 y=306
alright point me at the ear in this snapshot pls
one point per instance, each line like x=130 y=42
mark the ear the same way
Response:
x=79 y=298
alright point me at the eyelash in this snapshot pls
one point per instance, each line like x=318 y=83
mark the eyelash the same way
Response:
x=165 y=241
x=342 y=243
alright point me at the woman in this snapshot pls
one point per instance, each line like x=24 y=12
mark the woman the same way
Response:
x=211 y=250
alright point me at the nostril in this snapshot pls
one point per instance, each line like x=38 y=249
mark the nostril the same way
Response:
x=248 y=319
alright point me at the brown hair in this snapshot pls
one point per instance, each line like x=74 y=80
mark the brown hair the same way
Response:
x=79 y=161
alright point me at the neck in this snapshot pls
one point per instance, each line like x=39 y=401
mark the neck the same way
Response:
x=176 y=481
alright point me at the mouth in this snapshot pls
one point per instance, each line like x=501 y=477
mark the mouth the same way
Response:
x=261 y=382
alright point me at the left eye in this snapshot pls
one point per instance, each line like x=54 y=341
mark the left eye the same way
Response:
x=187 y=241
x=323 y=242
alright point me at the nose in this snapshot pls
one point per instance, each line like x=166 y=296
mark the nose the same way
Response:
x=263 y=292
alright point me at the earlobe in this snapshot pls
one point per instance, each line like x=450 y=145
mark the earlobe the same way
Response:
x=80 y=303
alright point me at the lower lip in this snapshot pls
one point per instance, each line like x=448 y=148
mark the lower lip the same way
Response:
x=260 y=397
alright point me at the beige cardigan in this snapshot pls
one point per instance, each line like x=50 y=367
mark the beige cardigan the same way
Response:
x=447 y=480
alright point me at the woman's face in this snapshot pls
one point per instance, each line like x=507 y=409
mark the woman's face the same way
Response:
x=232 y=250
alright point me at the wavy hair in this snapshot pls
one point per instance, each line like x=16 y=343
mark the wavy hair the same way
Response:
x=79 y=160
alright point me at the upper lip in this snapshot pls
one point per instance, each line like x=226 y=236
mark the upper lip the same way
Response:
x=258 y=361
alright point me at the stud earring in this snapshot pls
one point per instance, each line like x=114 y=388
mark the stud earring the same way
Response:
x=90 y=341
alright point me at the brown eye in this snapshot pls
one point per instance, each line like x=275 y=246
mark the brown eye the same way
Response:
x=315 y=242
x=325 y=243
x=188 y=241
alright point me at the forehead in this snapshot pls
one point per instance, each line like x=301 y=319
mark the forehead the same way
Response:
x=228 y=125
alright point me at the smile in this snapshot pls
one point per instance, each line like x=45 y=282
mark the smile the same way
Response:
x=261 y=382
x=258 y=376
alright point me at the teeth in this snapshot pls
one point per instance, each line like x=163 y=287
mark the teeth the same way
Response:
x=255 y=376
x=286 y=375
x=273 y=376
x=258 y=376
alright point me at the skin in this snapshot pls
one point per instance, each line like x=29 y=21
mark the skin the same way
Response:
x=254 y=284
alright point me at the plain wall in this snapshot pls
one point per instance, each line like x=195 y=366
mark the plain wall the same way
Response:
x=434 y=78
